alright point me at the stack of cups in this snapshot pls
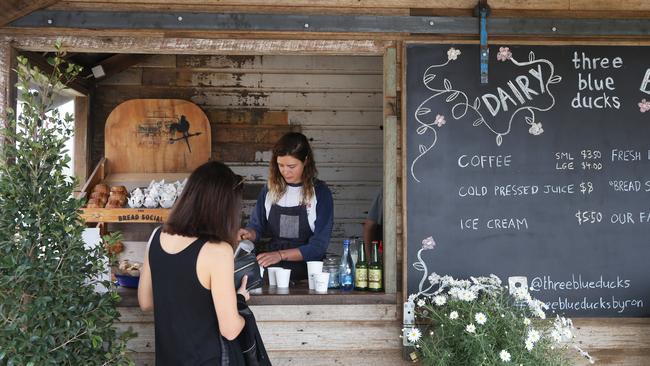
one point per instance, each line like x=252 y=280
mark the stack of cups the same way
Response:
x=315 y=273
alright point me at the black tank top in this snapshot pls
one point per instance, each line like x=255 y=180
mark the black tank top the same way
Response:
x=186 y=326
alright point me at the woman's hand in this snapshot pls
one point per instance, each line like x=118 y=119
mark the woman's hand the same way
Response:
x=246 y=234
x=242 y=288
x=269 y=258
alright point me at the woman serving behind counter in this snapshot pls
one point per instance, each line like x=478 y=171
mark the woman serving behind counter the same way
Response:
x=295 y=209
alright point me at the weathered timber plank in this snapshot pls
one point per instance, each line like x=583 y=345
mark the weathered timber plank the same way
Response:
x=248 y=100
x=336 y=118
x=608 y=5
x=8 y=79
x=283 y=64
x=132 y=76
x=269 y=9
x=258 y=81
x=253 y=117
x=81 y=159
x=390 y=357
x=295 y=313
x=307 y=335
x=329 y=153
x=156 y=45
x=599 y=333
x=11 y=10
x=348 y=173
x=436 y=4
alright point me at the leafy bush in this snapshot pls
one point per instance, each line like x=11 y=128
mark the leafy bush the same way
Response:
x=478 y=322
x=50 y=313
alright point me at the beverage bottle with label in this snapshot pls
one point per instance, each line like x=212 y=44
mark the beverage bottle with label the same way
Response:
x=375 y=270
x=361 y=269
x=346 y=269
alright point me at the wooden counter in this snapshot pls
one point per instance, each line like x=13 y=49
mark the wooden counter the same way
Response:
x=298 y=295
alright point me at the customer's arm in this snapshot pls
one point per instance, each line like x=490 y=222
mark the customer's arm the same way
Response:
x=222 y=285
x=145 y=289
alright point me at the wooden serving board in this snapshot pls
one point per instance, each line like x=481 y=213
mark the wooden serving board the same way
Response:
x=157 y=136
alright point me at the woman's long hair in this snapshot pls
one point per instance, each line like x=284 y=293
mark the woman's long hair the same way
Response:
x=210 y=205
x=296 y=145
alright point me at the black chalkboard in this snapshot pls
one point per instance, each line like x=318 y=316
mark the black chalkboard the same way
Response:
x=544 y=172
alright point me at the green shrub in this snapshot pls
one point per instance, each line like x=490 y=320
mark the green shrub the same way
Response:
x=50 y=313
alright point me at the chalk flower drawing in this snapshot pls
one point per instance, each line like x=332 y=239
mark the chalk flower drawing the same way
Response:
x=440 y=120
x=427 y=123
x=504 y=54
x=535 y=128
x=453 y=54
x=644 y=105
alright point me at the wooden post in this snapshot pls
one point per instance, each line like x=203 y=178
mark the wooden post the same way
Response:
x=390 y=170
x=8 y=79
x=81 y=139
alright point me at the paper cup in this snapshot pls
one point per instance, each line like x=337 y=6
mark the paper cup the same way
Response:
x=271 y=271
x=282 y=278
x=321 y=280
x=313 y=267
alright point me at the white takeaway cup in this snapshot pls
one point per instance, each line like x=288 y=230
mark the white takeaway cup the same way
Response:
x=313 y=267
x=282 y=278
x=321 y=280
x=272 y=271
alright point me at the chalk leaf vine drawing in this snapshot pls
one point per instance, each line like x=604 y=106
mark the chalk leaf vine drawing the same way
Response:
x=463 y=108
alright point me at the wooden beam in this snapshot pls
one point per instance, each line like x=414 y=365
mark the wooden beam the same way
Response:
x=390 y=171
x=8 y=79
x=118 y=63
x=300 y=23
x=79 y=85
x=198 y=46
x=11 y=10
x=81 y=139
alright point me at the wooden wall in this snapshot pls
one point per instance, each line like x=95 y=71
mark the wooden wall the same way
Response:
x=251 y=101
x=298 y=335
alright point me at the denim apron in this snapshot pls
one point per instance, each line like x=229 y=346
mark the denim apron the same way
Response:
x=289 y=227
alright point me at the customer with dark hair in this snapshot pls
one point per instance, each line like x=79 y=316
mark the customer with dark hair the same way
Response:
x=188 y=272
x=295 y=209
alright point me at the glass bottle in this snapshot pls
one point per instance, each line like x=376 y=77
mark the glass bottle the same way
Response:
x=375 y=270
x=346 y=269
x=331 y=265
x=361 y=269
x=354 y=253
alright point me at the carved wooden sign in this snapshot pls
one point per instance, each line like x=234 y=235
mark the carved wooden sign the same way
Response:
x=157 y=136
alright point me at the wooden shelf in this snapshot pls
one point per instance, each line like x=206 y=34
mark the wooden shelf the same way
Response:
x=125 y=215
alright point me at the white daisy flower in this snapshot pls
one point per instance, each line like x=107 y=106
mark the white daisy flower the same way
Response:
x=480 y=318
x=557 y=337
x=529 y=345
x=413 y=335
x=440 y=300
x=470 y=328
x=534 y=335
x=453 y=315
x=421 y=302
x=504 y=355
x=526 y=321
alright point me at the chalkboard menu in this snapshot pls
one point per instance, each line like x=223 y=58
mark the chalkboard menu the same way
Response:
x=541 y=176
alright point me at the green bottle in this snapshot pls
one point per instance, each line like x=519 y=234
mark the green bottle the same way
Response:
x=361 y=271
x=375 y=270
